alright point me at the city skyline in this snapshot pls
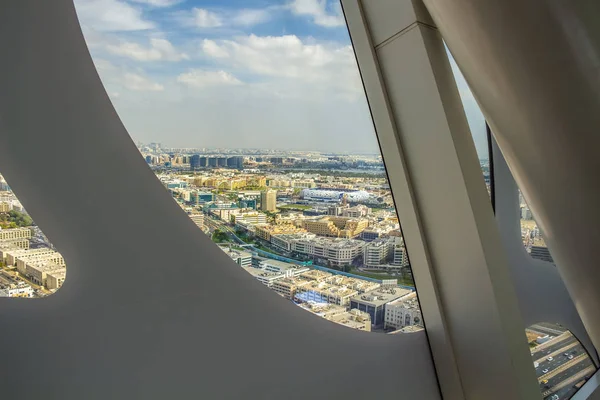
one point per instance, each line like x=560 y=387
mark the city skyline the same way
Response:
x=257 y=73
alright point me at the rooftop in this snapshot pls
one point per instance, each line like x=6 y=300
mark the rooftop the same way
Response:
x=382 y=296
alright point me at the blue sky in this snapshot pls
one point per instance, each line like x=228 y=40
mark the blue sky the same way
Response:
x=252 y=73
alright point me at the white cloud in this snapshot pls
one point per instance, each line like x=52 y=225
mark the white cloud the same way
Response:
x=139 y=83
x=250 y=17
x=322 y=65
x=159 y=3
x=220 y=17
x=212 y=49
x=160 y=49
x=102 y=64
x=200 y=78
x=111 y=15
x=206 y=19
x=317 y=9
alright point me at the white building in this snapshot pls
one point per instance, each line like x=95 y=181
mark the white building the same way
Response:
x=242 y=258
x=336 y=251
x=251 y=217
x=403 y=312
x=378 y=251
x=13 y=288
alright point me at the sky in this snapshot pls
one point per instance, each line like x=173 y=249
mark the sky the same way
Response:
x=277 y=74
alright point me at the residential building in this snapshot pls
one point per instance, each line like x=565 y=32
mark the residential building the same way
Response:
x=10 y=287
x=287 y=269
x=39 y=270
x=268 y=200
x=242 y=258
x=324 y=292
x=16 y=233
x=403 y=312
x=251 y=217
x=356 y=212
x=400 y=258
x=354 y=319
x=288 y=287
x=332 y=226
x=374 y=302
x=197 y=218
x=265 y=232
x=338 y=252
x=378 y=252
x=17 y=243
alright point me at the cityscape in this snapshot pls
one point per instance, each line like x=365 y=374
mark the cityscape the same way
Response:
x=283 y=171
x=319 y=229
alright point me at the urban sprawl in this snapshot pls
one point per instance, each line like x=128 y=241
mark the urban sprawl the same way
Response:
x=319 y=229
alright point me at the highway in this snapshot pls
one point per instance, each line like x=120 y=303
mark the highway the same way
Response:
x=547 y=329
x=561 y=372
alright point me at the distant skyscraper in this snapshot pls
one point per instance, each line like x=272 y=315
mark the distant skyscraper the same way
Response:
x=268 y=200
x=195 y=161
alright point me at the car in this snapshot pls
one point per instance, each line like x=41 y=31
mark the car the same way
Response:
x=544 y=381
x=555 y=397
x=545 y=370
x=550 y=358
x=570 y=357
x=566 y=354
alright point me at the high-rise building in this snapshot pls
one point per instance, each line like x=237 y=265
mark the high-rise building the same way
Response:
x=195 y=161
x=268 y=200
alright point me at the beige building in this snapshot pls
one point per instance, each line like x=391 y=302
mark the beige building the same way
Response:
x=198 y=219
x=333 y=226
x=19 y=243
x=266 y=232
x=22 y=261
x=288 y=287
x=40 y=271
x=354 y=319
x=326 y=292
x=16 y=233
x=268 y=200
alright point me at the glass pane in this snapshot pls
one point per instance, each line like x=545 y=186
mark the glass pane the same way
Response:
x=476 y=121
x=253 y=117
x=561 y=362
x=29 y=264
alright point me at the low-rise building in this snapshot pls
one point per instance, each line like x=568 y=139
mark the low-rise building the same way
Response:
x=403 y=312
x=324 y=292
x=10 y=286
x=15 y=233
x=354 y=319
x=242 y=258
x=378 y=252
x=337 y=252
x=288 y=287
x=374 y=302
x=39 y=271
x=265 y=231
x=31 y=257
x=251 y=217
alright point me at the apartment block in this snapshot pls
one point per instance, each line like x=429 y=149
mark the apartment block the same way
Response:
x=16 y=233
x=403 y=312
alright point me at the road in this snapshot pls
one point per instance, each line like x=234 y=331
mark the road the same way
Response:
x=561 y=372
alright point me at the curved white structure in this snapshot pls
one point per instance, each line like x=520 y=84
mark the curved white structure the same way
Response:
x=109 y=333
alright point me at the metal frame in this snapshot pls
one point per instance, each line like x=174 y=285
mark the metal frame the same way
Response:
x=438 y=292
